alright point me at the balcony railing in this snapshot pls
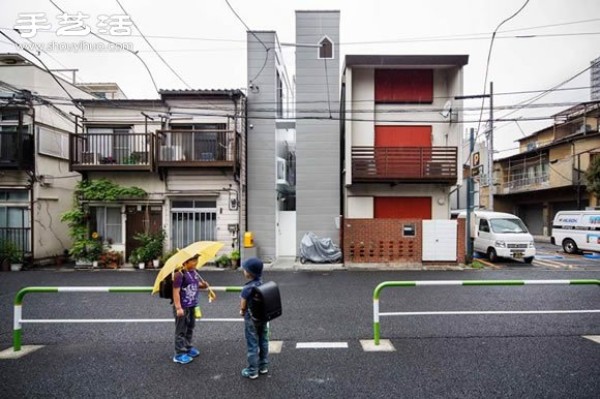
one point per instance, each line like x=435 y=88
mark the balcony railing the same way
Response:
x=112 y=151
x=196 y=148
x=521 y=183
x=16 y=150
x=404 y=164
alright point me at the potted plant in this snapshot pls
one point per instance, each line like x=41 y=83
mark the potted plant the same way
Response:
x=235 y=259
x=12 y=254
x=111 y=259
x=223 y=261
x=151 y=247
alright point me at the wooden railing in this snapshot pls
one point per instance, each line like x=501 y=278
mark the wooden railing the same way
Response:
x=16 y=150
x=112 y=151
x=196 y=148
x=404 y=164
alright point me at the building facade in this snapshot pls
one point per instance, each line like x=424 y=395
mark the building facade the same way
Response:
x=401 y=133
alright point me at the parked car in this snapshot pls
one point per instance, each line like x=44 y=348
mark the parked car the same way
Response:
x=576 y=231
x=501 y=235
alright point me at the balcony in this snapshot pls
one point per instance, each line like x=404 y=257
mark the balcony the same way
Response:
x=16 y=150
x=522 y=183
x=112 y=152
x=196 y=148
x=404 y=165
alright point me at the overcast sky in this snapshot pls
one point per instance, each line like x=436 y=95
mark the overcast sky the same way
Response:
x=206 y=43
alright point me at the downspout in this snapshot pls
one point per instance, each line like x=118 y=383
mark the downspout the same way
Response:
x=31 y=199
x=245 y=186
x=343 y=165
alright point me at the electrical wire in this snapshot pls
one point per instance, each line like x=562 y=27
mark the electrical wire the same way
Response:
x=152 y=47
x=267 y=49
x=487 y=65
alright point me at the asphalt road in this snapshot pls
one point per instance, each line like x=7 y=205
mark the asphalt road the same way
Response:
x=446 y=356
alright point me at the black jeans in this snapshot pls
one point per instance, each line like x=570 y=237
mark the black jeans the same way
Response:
x=184 y=330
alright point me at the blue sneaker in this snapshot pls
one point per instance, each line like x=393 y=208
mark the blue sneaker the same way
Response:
x=193 y=352
x=247 y=373
x=182 y=358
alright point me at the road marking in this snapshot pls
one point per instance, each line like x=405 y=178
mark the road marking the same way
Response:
x=322 y=345
x=546 y=263
x=275 y=346
x=595 y=338
x=385 y=345
x=25 y=350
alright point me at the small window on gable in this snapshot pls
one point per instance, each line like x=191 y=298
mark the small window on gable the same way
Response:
x=325 y=48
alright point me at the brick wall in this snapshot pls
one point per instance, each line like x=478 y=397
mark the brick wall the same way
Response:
x=381 y=241
x=461 y=250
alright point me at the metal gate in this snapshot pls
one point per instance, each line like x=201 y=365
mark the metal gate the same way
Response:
x=196 y=223
x=439 y=240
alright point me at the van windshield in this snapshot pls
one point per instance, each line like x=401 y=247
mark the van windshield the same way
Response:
x=504 y=226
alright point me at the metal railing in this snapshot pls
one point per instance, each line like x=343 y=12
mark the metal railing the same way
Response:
x=19 y=297
x=377 y=292
x=20 y=237
x=112 y=151
x=196 y=147
x=410 y=164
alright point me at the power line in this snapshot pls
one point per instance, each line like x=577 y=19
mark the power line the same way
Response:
x=152 y=47
x=115 y=44
x=267 y=49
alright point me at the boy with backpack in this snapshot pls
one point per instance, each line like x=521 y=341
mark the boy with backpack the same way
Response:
x=256 y=331
x=186 y=285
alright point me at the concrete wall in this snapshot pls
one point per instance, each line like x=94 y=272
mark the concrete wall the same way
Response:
x=317 y=138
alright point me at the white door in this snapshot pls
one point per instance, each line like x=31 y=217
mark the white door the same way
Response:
x=439 y=240
x=286 y=234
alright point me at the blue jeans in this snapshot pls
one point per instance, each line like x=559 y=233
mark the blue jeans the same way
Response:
x=257 y=342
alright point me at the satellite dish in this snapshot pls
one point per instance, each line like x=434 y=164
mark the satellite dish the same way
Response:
x=447 y=109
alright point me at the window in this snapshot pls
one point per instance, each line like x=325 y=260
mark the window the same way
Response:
x=325 y=48
x=207 y=142
x=113 y=144
x=412 y=86
x=11 y=140
x=279 y=96
x=483 y=226
x=503 y=226
x=14 y=218
x=193 y=220
x=108 y=223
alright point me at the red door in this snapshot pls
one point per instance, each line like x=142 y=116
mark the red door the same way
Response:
x=402 y=207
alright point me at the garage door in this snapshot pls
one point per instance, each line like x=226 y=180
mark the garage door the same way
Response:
x=532 y=216
x=402 y=207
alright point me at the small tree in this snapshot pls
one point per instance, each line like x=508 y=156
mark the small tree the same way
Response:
x=592 y=175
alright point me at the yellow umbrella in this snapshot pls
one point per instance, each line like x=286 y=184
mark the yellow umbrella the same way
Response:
x=206 y=249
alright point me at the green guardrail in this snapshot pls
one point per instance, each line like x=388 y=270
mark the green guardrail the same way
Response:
x=471 y=283
x=18 y=320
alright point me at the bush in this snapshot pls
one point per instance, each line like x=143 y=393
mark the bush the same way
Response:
x=151 y=245
x=10 y=252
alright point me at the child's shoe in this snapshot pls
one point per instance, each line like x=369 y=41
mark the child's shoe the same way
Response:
x=264 y=369
x=193 y=352
x=182 y=358
x=247 y=373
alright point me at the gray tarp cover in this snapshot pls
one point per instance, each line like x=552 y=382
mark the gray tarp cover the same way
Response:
x=319 y=250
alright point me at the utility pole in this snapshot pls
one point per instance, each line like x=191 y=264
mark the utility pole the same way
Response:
x=470 y=196
x=490 y=137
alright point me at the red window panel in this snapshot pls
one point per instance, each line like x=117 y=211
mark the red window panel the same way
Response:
x=402 y=207
x=404 y=86
x=402 y=136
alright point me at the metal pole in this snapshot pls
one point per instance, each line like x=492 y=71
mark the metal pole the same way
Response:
x=470 y=196
x=491 y=151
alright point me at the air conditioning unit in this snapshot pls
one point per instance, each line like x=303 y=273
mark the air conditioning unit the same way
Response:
x=281 y=171
x=171 y=153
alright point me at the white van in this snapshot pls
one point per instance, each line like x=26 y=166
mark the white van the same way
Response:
x=577 y=230
x=500 y=235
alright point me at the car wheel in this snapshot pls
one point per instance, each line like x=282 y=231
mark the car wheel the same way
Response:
x=569 y=246
x=302 y=260
x=528 y=259
x=492 y=255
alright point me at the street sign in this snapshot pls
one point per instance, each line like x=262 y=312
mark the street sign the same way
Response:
x=475 y=164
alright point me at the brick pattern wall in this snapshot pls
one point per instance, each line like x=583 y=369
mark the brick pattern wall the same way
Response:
x=381 y=241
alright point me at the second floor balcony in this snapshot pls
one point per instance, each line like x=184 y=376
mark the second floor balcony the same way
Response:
x=404 y=165
x=197 y=148
x=112 y=151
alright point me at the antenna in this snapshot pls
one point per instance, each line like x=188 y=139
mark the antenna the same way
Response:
x=447 y=110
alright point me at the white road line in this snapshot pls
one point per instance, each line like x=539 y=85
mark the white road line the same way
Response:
x=322 y=345
x=595 y=338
